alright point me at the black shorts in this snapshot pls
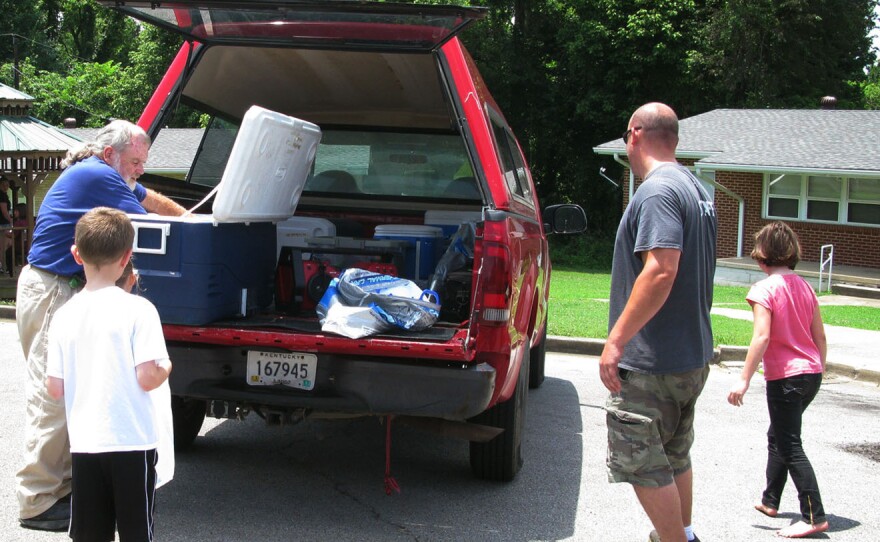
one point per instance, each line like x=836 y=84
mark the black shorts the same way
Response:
x=113 y=490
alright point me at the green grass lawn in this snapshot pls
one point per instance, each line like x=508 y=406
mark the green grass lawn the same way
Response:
x=579 y=308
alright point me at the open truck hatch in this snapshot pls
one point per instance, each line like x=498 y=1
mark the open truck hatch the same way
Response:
x=297 y=23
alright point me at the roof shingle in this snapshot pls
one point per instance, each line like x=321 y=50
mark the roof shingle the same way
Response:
x=779 y=138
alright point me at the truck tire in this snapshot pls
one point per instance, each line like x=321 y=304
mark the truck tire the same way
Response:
x=500 y=459
x=536 y=362
x=188 y=417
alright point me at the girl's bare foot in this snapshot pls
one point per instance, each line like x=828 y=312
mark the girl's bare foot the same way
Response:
x=802 y=529
x=766 y=510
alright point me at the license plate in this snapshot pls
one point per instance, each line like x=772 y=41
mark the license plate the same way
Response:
x=290 y=369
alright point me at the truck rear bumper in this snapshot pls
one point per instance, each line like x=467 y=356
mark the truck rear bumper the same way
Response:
x=343 y=384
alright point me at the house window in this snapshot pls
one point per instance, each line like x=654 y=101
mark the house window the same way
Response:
x=864 y=201
x=784 y=196
x=822 y=199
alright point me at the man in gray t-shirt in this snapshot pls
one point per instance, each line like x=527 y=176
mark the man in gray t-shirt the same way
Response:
x=655 y=361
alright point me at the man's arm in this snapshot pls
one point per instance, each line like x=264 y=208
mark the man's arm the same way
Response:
x=155 y=202
x=650 y=291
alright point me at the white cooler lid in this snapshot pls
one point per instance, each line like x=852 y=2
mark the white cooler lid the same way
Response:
x=267 y=168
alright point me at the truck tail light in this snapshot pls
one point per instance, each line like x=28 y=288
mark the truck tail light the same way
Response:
x=495 y=282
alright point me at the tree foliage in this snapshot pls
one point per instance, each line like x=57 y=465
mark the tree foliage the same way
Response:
x=785 y=53
x=567 y=73
x=82 y=61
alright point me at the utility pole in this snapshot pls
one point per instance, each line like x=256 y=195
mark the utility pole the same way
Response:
x=15 y=61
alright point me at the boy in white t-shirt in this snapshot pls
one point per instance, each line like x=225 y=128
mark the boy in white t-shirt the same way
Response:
x=106 y=353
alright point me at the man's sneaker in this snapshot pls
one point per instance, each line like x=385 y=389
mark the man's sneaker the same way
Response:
x=56 y=518
x=654 y=537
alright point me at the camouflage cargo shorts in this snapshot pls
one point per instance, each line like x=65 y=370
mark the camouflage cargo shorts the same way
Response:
x=651 y=426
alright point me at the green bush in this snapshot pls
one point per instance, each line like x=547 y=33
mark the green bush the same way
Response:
x=589 y=251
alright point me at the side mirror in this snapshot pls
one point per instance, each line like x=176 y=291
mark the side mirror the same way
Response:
x=565 y=218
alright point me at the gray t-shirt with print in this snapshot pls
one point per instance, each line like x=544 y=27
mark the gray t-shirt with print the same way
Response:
x=670 y=209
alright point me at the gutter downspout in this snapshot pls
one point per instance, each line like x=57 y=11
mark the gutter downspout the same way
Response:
x=741 y=204
x=632 y=178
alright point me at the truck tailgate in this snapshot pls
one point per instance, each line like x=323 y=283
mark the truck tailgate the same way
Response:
x=442 y=343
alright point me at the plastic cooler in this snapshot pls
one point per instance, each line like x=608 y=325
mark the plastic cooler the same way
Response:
x=196 y=271
x=201 y=268
x=424 y=247
x=267 y=168
x=294 y=231
x=449 y=221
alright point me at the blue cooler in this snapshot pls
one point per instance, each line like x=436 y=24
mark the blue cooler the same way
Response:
x=201 y=268
x=196 y=272
x=425 y=245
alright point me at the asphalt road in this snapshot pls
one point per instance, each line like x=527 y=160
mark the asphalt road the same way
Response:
x=323 y=480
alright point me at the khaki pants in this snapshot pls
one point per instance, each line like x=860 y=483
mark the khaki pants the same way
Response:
x=45 y=477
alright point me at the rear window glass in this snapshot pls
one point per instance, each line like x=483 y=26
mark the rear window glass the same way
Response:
x=393 y=164
x=355 y=163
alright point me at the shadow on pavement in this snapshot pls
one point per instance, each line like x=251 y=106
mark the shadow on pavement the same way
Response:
x=323 y=480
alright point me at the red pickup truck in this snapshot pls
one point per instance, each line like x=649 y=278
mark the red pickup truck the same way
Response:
x=409 y=132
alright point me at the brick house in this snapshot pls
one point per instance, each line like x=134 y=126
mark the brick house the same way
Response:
x=817 y=170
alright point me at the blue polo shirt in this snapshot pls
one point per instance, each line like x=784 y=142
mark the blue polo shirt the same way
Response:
x=81 y=187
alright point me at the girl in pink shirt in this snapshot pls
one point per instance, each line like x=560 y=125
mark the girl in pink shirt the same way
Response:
x=790 y=339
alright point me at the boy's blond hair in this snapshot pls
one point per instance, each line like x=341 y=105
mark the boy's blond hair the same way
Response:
x=103 y=235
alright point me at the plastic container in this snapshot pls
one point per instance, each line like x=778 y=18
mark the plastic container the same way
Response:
x=294 y=231
x=449 y=221
x=196 y=271
x=267 y=168
x=424 y=247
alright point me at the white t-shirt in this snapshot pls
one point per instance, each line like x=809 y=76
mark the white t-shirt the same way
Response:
x=95 y=342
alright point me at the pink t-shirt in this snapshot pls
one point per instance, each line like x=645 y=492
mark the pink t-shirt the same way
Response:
x=792 y=303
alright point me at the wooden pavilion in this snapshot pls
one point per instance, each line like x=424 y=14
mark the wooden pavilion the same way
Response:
x=30 y=149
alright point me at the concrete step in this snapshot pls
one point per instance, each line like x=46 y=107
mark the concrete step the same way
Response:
x=856 y=290
x=745 y=271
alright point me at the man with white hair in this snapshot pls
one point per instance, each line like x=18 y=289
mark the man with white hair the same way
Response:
x=100 y=173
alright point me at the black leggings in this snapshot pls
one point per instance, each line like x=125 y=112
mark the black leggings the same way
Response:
x=787 y=399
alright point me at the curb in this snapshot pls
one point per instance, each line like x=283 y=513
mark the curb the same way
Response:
x=7 y=312
x=862 y=375
x=593 y=347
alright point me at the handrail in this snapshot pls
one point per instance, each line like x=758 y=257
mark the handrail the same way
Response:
x=823 y=261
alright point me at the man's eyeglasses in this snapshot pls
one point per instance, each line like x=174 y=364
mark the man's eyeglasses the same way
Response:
x=628 y=132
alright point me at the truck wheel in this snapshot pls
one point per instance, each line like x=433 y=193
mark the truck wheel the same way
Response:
x=536 y=362
x=188 y=417
x=500 y=459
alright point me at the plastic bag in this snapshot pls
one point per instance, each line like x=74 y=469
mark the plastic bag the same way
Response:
x=360 y=303
x=459 y=253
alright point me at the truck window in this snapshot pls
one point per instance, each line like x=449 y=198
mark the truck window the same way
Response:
x=210 y=161
x=511 y=161
x=362 y=163
x=395 y=164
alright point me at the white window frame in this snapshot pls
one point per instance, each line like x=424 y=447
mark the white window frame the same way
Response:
x=843 y=201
